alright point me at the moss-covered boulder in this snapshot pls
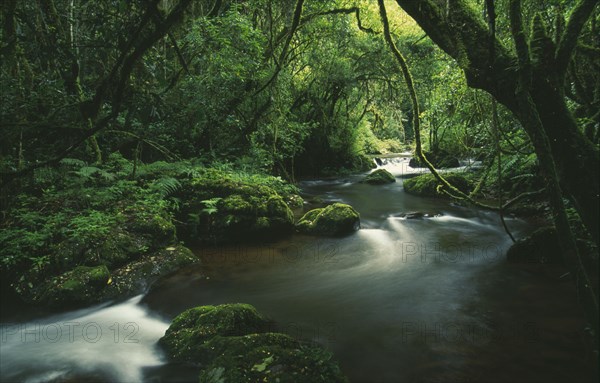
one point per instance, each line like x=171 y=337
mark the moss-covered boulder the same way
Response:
x=427 y=185
x=218 y=209
x=85 y=285
x=73 y=287
x=230 y=343
x=539 y=247
x=157 y=226
x=269 y=357
x=440 y=159
x=135 y=277
x=335 y=219
x=379 y=177
x=191 y=329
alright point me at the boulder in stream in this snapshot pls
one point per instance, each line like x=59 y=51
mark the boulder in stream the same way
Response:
x=185 y=339
x=231 y=343
x=540 y=247
x=335 y=219
x=379 y=177
x=427 y=185
x=219 y=209
x=77 y=286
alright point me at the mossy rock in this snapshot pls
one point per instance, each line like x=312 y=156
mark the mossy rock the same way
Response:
x=294 y=201
x=427 y=185
x=231 y=343
x=157 y=227
x=77 y=286
x=237 y=212
x=191 y=329
x=379 y=177
x=120 y=248
x=440 y=159
x=135 y=277
x=540 y=247
x=335 y=219
x=268 y=357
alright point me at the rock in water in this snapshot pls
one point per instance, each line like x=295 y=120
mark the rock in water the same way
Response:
x=231 y=343
x=379 y=177
x=540 y=247
x=335 y=219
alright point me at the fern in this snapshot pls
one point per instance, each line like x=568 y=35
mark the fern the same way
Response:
x=88 y=171
x=211 y=205
x=165 y=186
x=74 y=162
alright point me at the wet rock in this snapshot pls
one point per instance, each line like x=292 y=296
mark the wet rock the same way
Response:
x=540 y=247
x=379 y=177
x=269 y=357
x=135 y=277
x=219 y=210
x=335 y=219
x=427 y=185
x=416 y=215
x=186 y=338
x=231 y=344
x=85 y=285
x=77 y=286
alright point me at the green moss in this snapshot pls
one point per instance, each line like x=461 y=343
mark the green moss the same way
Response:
x=158 y=226
x=427 y=185
x=134 y=277
x=244 y=212
x=192 y=328
x=75 y=286
x=230 y=344
x=294 y=201
x=121 y=247
x=335 y=219
x=268 y=357
x=235 y=203
x=379 y=177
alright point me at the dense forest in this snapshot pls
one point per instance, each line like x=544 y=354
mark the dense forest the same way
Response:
x=138 y=136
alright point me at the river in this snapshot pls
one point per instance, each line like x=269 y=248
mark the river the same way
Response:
x=423 y=299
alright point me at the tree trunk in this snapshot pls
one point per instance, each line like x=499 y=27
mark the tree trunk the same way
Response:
x=460 y=32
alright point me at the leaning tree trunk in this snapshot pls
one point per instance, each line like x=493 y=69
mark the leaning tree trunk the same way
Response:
x=460 y=33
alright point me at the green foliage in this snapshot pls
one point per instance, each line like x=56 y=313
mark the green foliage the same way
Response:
x=165 y=186
x=211 y=205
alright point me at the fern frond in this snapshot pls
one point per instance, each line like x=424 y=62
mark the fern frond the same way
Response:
x=74 y=162
x=87 y=171
x=165 y=186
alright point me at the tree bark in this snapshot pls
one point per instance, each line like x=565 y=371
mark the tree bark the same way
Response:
x=459 y=31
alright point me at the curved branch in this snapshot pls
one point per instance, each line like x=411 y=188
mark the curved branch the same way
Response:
x=452 y=190
x=126 y=67
x=344 y=11
x=568 y=41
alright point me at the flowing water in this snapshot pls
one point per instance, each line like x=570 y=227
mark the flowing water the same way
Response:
x=422 y=297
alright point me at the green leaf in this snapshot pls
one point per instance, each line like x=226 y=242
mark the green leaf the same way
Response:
x=263 y=366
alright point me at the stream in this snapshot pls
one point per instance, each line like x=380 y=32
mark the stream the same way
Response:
x=426 y=297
